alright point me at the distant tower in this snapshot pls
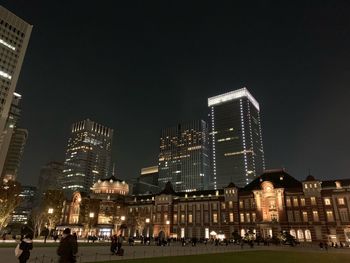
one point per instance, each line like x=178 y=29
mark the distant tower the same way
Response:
x=88 y=156
x=184 y=156
x=49 y=176
x=14 y=38
x=14 y=154
x=236 y=139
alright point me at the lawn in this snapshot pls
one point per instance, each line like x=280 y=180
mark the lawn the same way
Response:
x=252 y=256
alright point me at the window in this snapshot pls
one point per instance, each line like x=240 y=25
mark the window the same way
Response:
x=300 y=235
x=330 y=217
x=242 y=217
x=302 y=201
x=230 y=204
x=327 y=201
x=315 y=216
x=215 y=206
x=344 y=217
x=293 y=233
x=190 y=218
x=182 y=218
x=175 y=219
x=253 y=217
x=313 y=200
x=215 y=217
x=290 y=216
x=240 y=204
x=247 y=216
x=297 y=216
x=223 y=205
x=295 y=202
x=341 y=201
x=288 y=201
x=308 y=235
x=231 y=217
x=305 y=219
x=198 y=218
x=206 y=217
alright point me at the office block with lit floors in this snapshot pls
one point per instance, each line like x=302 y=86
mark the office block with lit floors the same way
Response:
x=236 y=139
x=88 y=156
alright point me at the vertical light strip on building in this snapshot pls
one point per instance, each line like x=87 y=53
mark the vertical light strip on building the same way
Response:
x=243 y=141
x=213 y=148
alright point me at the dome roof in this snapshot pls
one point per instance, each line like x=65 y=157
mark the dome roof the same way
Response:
x=310 y=178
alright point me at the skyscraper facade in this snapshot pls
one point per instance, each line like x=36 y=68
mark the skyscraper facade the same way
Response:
x=49 y=176
x=184 y=156
x=88 y=156
x=14 y=154
x=236 y=139
x=14 y=38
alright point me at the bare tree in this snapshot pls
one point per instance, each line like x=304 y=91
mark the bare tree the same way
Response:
x=9 y=200
x=38 y=219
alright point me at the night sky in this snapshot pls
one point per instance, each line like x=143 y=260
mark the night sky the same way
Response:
x=138 y=66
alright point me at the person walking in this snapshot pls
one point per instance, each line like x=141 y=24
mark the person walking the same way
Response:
x=26 y=245
x=68 y=248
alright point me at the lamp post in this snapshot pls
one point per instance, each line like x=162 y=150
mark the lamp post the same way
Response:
x=147 y=222
x=50 y=212
x=91 y=216
x=168 y=227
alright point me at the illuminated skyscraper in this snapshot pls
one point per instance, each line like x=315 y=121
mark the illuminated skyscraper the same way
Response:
x=236 y=140
x=184 y=156
x=14 y=38
x=88 y=156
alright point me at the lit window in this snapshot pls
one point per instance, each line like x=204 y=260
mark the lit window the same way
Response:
x=215 y=218
x=327 y=201
x=341 y=201
x=242 y=217
x=305 y=219
x=302 y=201
x=330 y=217
x=313 y=200
x=231 y=217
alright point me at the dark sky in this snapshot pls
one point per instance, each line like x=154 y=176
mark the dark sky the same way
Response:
x=138 y=66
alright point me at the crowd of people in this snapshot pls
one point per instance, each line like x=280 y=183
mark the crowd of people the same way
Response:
x=68 y=246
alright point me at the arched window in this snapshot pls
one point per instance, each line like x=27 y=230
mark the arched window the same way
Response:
x=292 y=232
x=308 y=235
x=300 y=235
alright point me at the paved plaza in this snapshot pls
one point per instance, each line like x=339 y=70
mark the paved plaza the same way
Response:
x=101 y=253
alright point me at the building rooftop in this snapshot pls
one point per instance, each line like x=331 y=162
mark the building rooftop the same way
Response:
x=279 y=179
x=232 y=95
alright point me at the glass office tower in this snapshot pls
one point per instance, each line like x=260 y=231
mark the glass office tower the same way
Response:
x=236 y=140
x=88 y=156
x=184 y=157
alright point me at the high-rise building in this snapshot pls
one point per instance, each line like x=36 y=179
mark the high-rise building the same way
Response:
x=184 y=156
x=88 y=156
x=236 y=140
x=22 y=213
x=147 y=182
x=49 y=176
x=149 y=175
x=14 y=154
x=14 y=38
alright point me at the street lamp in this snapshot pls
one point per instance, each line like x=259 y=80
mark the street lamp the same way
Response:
x=50 y=211
x=91 y=216
x=147 y=222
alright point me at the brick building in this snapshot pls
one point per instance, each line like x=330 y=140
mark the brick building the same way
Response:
x=311 y=210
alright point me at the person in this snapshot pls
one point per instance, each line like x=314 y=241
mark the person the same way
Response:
x=26 y=245
x=119 y=243
x=68 y=247
x=114 y=240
